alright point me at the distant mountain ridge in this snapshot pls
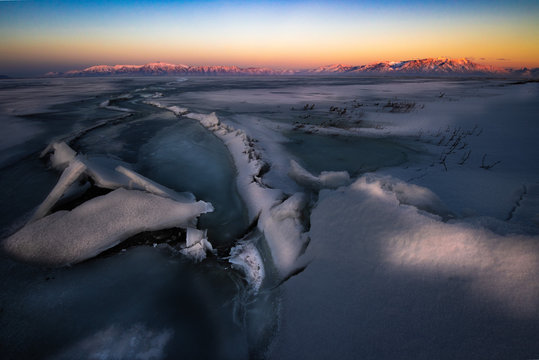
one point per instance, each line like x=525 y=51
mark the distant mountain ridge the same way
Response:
x=420 y=67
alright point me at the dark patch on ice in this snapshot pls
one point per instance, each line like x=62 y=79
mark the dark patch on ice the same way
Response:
x=264 y=169
x=252 y=227
x=70 y=140
x=172 y=237
x=89 y=194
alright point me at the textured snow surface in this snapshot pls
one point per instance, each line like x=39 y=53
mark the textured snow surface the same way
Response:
x=246 y=258
x=388 y=278
x=67 y=237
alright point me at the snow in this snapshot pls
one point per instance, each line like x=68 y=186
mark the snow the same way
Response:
x=284 y=234
x=178 y=111
x=61 y=156
x=68 y=237
x=197 y=244
x=326 y=179
x=434 y=254
x=245 y=257
x=427 y=260
x=384 y=272
x=71 y=174
x=207 y=120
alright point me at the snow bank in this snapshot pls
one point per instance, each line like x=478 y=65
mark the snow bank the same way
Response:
x=499 y=268
x=416 y=284
x=326 y=179
x=209 y=121
x=67 y=237
x=178 y=111
x=279 y=221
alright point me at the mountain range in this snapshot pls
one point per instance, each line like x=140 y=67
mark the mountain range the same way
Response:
x=421 y=67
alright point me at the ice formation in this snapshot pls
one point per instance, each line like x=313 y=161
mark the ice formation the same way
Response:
x=61 y=155
x=197 y=244
x=246 y=258
x=284 y=233
x=326 y=179
x=175 y=109
x=104 y=172
x=153 y=187
x=68 y=177
x=68 y=237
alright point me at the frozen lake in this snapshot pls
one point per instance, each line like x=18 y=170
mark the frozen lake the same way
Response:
x=370 y=218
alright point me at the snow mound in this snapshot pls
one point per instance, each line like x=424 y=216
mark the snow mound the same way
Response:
x=68 y=237
x=326 y=179
x=497 y=268
x=407 y=194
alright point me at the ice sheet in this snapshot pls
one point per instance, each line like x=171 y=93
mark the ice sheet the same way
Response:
x=67 y=237
x=71 y=174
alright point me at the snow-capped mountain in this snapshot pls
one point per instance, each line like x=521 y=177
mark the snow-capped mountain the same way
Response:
x=421 y=67
x=160 y=68
x=430 y=66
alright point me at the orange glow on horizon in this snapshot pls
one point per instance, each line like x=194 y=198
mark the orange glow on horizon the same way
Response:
x=277 y=37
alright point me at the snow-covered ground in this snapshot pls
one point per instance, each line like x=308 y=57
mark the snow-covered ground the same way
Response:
x=353 y=217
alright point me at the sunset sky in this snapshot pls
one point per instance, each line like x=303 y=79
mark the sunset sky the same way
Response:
x=41 y=36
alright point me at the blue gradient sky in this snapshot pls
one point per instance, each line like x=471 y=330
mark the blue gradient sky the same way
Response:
x=39 y=36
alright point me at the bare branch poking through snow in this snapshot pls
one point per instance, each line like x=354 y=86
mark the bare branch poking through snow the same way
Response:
x=488 y=166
